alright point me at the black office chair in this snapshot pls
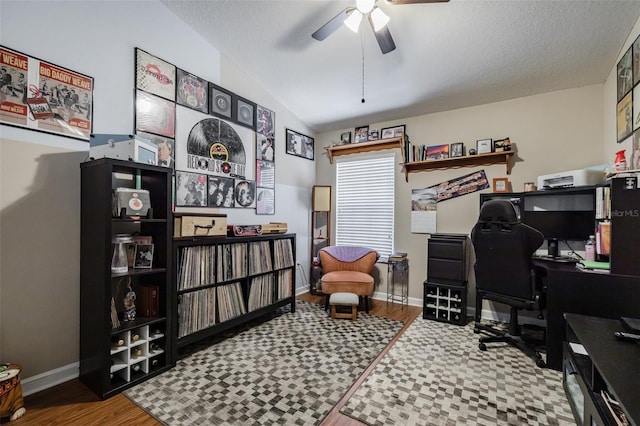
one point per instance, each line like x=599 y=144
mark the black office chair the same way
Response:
x=504 y=271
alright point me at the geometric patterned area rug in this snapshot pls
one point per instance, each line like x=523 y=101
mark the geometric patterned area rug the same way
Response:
x=291 y=369
x=435 y=375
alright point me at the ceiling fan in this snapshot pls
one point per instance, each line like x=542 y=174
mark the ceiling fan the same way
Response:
x=352 y=16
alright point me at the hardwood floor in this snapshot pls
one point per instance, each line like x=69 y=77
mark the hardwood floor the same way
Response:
x=71 y=403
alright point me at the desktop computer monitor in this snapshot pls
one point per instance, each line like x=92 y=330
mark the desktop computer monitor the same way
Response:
x=563 y=216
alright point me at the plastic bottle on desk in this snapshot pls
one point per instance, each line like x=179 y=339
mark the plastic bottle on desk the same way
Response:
x=590 y=248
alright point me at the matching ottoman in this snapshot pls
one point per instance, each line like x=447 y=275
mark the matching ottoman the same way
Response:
x=341 y=301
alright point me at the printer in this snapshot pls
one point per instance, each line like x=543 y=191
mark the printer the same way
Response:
x=570 y=179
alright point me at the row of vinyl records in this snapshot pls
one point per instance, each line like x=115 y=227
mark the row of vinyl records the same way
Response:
x=197 y=310
x=196 y=263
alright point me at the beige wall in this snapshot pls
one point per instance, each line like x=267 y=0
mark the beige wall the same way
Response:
x=39 y=253
x=552 y=132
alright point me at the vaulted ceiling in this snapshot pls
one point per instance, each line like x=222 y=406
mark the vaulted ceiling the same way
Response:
x=449 y=55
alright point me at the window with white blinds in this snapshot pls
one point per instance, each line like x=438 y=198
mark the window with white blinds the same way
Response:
x=365 y=203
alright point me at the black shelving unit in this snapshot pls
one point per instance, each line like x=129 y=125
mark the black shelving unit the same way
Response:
x=222 y=282
x=445 y=289
x=115 y=358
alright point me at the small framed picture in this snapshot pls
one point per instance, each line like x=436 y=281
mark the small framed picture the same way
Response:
x=500 y=185
x=456 y=150
x=361 y=134
x=373 y=134
x=438 y=152
x=144 y=256
x=300 y=145
x=502 y=145
x=484 y=146
x=345 y=138
x=392 y=132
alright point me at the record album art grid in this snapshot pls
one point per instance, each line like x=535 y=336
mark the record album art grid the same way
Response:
x=220 y=145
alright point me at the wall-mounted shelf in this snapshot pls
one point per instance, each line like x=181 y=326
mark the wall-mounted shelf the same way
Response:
x=359 y=147
x=466 y=161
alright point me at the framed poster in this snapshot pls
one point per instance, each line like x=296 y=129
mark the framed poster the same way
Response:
x=153 y=75
x=625 y=74
x=192 y=91
x=264 y=147
x=265 y=174
x=265 y=203
x=191 y=189
x=220 y=192
x=245 y=193
x=220 y=101
x=41 y=96
x=155 y=114
x=624 y=117
x=265 y=121
x=300 y=145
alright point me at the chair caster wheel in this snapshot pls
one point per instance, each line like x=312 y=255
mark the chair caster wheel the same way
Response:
x=482 y=347
x=540 y=363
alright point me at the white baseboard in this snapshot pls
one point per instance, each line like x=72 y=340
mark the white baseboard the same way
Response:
x=50 y=378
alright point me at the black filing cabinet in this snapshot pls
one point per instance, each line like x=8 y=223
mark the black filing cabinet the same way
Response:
x=445 y=289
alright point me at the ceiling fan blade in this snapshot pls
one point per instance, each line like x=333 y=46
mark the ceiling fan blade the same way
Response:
x=327 y=29
x=383 y=36
x=416 y=1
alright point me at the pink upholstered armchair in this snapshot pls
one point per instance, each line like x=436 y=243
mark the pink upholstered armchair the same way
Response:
x=347 y=269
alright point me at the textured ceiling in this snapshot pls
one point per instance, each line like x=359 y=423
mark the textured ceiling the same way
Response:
x=449 y=55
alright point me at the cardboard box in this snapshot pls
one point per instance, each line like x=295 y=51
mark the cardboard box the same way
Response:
x=191 y=225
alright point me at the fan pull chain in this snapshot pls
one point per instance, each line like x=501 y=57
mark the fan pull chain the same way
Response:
x=362 y=49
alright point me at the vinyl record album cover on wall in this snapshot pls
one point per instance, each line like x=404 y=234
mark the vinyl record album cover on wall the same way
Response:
x=220 y=101
x=245 y=112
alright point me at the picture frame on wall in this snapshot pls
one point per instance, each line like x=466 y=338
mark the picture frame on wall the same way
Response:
x=265 y=121
x=361 y=134
x=155 y=76
x=456 y=150
x=500 y=185
x=501 y=145
x=484 y=146
x=345 y=138
x=220 y=101
x=300 y=145
x=624 y=117
x=192 y=91
x=155 y=114
x=245 y=112
x=636 y=61
x=392 y=132
x=624 y=71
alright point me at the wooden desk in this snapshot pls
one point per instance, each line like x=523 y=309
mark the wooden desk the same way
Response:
x=570 y=289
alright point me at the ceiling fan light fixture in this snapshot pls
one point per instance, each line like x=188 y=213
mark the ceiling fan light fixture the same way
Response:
x=379 y=19
x=365 y=6
x=353 y=20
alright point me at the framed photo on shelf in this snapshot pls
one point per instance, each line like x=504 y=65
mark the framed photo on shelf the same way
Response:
x=456 y=150
x=502 y=145
x=484 y=146
x=361 y=134
x=392 y=132
x=300 y=145
x=144 y=256
x=345 y=138
x=438 y=152
x=373 y=134
x=500 y=185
